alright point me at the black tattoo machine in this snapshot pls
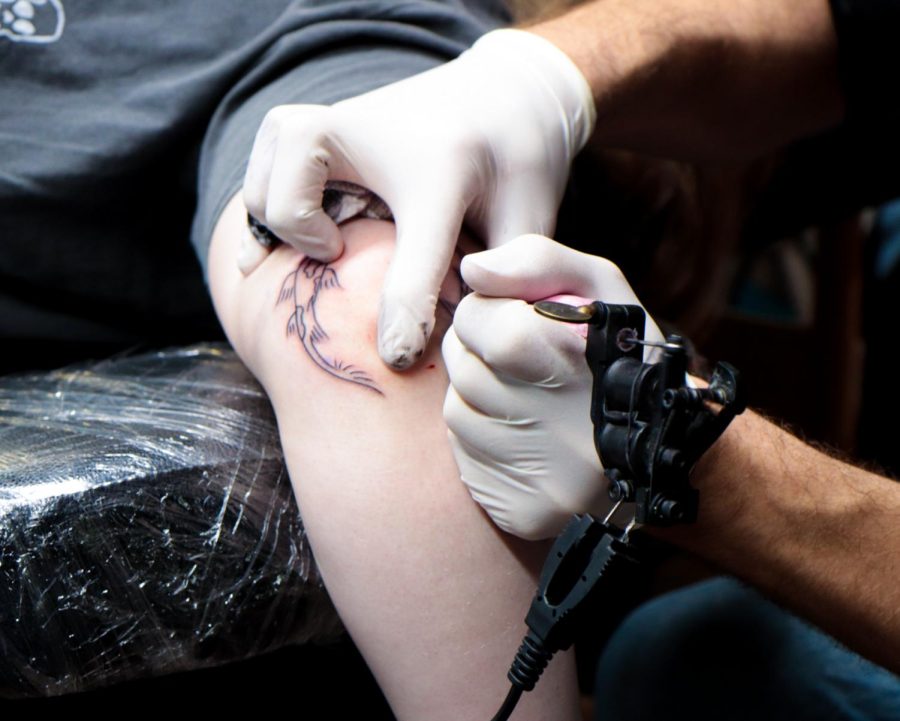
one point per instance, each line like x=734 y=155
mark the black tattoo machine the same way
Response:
x=650 y=429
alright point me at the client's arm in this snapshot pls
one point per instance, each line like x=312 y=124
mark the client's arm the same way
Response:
x=432 y=593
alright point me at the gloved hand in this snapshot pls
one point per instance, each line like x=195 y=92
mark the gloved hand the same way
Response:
x=518 y=406
x=488 y=137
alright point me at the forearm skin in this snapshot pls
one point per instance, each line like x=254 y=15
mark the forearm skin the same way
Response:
x=702 y=80
x=814 y=533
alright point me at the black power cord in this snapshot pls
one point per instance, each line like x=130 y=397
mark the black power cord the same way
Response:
x=512 y=698
x=592 y=568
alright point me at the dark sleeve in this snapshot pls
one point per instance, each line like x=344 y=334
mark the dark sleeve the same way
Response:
x=324 y=52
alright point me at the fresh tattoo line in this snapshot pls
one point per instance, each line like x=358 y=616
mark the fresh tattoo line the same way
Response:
x=303 y=286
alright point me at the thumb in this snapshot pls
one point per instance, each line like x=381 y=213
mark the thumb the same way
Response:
x=425 y=243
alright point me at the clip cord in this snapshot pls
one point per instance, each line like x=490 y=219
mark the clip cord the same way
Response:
x=591 y=569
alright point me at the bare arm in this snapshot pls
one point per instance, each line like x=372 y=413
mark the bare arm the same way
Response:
x=817 y=534
x=704 y=79
x=431 y=592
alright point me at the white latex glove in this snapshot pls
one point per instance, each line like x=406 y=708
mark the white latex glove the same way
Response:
x=518 y=406
x=488 y=137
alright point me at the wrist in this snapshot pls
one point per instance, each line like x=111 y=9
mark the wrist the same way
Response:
x=766 y=500
x=730 y=480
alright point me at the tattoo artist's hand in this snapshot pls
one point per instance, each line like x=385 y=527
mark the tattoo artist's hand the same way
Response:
x=518 y=406
x=487 y=138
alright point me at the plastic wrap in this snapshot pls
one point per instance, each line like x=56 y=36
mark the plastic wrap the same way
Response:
x=147 y=524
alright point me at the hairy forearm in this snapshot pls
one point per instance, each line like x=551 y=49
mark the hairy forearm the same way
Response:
x=816 y=534
x=704 y=79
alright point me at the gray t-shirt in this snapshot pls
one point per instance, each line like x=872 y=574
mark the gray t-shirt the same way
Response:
x=125 y=127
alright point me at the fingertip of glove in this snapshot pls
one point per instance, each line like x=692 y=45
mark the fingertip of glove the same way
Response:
x=401 y=344
x=399 y=357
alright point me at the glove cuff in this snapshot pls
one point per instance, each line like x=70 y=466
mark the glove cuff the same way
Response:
x=551 y=67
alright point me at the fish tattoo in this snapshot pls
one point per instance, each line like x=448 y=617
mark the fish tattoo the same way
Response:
x=303 y=287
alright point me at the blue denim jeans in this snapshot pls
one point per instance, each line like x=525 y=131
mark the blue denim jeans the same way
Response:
x=718 y=651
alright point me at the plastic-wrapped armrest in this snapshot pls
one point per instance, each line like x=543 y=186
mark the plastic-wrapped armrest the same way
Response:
x=147 y=524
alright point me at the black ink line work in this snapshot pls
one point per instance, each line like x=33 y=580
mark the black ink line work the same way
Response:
x=303 y=286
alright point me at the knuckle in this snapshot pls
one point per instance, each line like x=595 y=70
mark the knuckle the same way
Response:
x=454 y=355
x=451 y=409
x=462 y=139
x=539 y=248
x=290 y=113
x=304 y=132
x=274 y=118
x=511 y=336
x=533 y=522
x=501 y=355
x=608 y=271
x=296 y=124
x=458 y=419
x=449 y=347
x=466 y=312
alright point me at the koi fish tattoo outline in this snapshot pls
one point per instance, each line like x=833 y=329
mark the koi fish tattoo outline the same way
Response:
x=304 y=323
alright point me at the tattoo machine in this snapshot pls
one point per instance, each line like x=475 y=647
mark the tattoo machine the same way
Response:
x=650 y=429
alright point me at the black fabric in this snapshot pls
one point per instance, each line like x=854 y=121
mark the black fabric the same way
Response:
x=826 y=178
x=869 y=60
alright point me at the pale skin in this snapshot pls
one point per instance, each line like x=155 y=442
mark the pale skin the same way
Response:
x=431 y=592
